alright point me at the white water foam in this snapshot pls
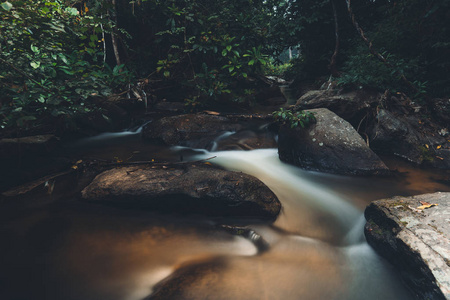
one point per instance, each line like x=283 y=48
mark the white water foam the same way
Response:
x=304 y=201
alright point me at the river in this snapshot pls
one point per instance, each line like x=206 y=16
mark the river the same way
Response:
x=71 y=250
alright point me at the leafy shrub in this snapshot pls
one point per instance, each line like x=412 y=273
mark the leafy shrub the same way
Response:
x=363 y=69
x=52 y=61
x=294 y=119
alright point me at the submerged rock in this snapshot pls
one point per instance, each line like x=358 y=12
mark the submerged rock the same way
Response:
x=330 y=145
x=192 y=189
x=193 y=130
x=415 y=239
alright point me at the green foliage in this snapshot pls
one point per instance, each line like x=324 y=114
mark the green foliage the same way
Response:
x=364 y=70
x=412 y=35
x=279 y=70
x=213 y=49
x=294 y=119
x=52 y=61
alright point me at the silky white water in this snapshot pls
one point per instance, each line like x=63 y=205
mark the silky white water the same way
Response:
x=317 y=251
x=321 y=239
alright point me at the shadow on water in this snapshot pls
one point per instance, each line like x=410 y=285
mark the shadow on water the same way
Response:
x=71 y=250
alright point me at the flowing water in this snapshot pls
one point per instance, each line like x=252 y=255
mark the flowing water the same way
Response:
x=71 y=250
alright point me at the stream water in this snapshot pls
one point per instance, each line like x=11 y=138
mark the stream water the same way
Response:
x=68 y=250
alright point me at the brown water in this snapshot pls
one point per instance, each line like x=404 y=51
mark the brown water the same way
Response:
x=71 y=250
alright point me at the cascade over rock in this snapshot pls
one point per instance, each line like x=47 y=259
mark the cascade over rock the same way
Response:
x=415 y=238
x=193 y=130
x=192 y=189
x=329 y=145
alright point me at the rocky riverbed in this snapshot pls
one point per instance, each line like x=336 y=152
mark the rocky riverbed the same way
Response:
x=413 y=233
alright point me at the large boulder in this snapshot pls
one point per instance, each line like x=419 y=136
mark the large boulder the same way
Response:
x=394 y=135
x=349 y=105
x=192 y=189
x=330 y=145
x=193 y=130
x=407 y=136
x=415 y=237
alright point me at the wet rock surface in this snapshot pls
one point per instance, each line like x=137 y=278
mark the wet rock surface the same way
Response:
x=330 y=145
x=415 y=239
x=346 y=105
x=407 y=137
x=190 y=189
x=394 y=124
x=193 y=130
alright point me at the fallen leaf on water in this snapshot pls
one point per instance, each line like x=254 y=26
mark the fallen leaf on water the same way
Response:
x=439 y=147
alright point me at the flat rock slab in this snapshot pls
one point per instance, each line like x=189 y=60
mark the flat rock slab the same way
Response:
x=191 y=189
x=414 y=239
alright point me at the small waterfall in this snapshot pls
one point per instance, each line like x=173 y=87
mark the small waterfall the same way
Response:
x=109 y=138
x=308 y=208
x=219 y=138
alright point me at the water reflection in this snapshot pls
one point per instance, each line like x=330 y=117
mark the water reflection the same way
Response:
x=73 y=251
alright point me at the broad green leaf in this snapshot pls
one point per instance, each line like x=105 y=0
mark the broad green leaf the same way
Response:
x=72 y=11
x=34 y=49
x=35 y=64
x=6 y=6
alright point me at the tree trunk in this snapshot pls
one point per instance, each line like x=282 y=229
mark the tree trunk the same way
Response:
x=114 y=34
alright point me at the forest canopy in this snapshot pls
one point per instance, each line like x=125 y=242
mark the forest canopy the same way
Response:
x=56 y=55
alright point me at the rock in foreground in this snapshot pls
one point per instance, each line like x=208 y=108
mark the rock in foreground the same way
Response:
x=330 y=145
x=192 y=189
x=415 y=239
